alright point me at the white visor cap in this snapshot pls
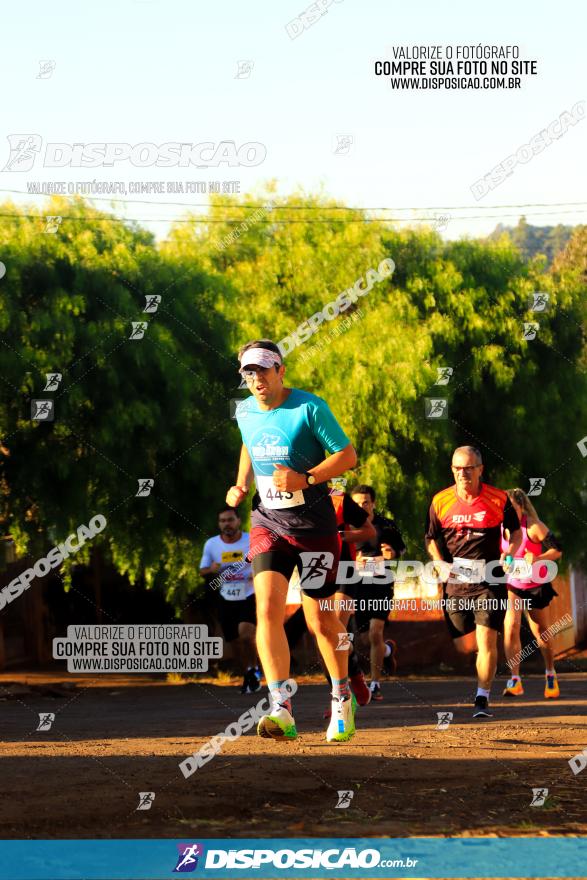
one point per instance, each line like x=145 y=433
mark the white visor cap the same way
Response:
x=259 y=357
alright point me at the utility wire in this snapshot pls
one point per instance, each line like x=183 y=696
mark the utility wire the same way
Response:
x=244 y=206
x=205 y=220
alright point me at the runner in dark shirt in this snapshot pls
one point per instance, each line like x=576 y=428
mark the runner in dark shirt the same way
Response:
x=374 y=600
x=353 y=528
x=387 y=533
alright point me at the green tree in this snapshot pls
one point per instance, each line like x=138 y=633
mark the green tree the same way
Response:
x=127 y=408
x=533 y=241
x=158 y=407
x=457 y=304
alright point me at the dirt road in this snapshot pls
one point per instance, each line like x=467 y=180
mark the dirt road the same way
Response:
x=113 y=738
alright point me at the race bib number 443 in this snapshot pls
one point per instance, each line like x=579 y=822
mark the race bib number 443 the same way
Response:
x=275 y=498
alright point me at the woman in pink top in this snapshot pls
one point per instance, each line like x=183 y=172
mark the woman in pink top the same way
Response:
x=538 y=543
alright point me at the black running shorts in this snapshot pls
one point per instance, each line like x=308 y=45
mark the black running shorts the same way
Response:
x=373 y=602
x=486 y=606
x=348 y=590
x=230 y=614
x=316 y=558
x=539 y=597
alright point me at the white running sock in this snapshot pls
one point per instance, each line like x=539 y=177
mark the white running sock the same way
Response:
x=550 y=672
x=481 y=692
x=279 y=694
x=373 y=685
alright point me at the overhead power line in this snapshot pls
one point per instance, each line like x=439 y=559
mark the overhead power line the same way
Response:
x=274 y=221
x=252 y=206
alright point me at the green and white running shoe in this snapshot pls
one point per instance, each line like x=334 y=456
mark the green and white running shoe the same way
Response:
x=342 y=721
x=279 y=724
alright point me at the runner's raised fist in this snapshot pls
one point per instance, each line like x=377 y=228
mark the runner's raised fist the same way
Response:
x=236 y=495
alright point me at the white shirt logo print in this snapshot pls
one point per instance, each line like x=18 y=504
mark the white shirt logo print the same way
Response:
x=469 y=517
x=268 y=446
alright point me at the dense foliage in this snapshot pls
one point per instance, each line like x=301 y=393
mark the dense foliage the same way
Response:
x=159 y=407
x=533 y=241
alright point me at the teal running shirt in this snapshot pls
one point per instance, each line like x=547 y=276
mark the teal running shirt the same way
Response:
x=295 y=434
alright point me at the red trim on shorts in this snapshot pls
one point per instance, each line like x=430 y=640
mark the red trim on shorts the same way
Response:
x=263 y=540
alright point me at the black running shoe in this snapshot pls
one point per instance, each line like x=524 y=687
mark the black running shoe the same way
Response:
x=251 y=683
x=482 y=708
x=254 y=681
x=376 y=694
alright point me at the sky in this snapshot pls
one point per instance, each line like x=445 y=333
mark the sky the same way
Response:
x=159 y=71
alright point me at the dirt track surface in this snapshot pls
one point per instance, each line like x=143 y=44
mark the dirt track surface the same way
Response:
x=114 y=737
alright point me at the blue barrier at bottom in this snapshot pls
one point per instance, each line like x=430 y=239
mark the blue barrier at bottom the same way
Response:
x=305 y=858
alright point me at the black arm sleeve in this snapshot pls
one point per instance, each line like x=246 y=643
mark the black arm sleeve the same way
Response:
x=510 y=518
x=433 y=526
x=391 y=535
x=352 y=513
x=551 y=542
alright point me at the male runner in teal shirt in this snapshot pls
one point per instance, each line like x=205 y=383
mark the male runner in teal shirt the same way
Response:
x=286 y=433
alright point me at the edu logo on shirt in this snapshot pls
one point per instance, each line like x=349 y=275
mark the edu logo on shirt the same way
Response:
x=467 y=517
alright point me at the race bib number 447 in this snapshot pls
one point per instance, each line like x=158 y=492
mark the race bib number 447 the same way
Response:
x=275 y=498
x=234 y=591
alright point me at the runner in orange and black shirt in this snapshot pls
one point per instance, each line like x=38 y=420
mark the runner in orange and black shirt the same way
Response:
x=463 y=528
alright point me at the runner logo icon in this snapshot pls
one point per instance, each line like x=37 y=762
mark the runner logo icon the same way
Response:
x=46 y=719
x=537 y=484
x=345 y=641
x=187 y=860
x=53 y=380
x=315 y=567
x=145 y=486
x=146 y=799
x=23 y=151
x=344 y=800
x=443 y=375
x=539 y=796
x=152 y=303
x=444 y=719
x=42 y=410
x=138 y=329
x=539 y=301
x=436 y=407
